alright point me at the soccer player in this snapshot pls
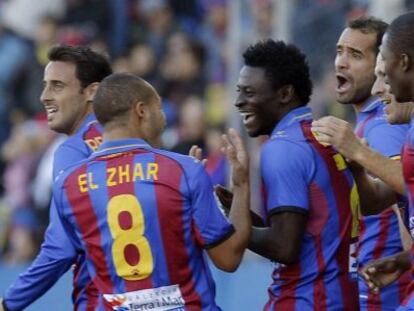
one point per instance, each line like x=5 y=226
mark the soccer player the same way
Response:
x=310 y=197
x=397 y=50
x=70 y=81
x=357 y=49
x=143 y=216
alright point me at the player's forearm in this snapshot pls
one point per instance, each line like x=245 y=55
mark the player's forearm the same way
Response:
x=386 y=169
x=264 y=243
x=375 y=196
x=257 y=221
x=403 y=260
x=240 y=218
x=228 y=254
x=34 y=282
x=406 y=239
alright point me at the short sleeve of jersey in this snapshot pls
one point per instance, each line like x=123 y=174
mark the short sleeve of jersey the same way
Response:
x=286 y=169
x=387 y=139
x=210 y=226
x=67 y=154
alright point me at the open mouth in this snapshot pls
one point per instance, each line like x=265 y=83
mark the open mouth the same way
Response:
x=247 y=117
x=386 y=100
x=50 y=111
x=342 y=83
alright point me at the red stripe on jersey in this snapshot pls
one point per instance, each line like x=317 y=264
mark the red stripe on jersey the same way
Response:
x=316 y=223
x=341 y=189
x=288 y=290
x=93 y=136
x=382 y=233
x=92 y=295
x=264 y=203
x=362 y=230
x=170 y=215
x=123 y=160
x=87 y=223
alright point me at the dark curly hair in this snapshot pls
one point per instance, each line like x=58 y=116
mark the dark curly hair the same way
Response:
x=90 y=66
x=284 y=64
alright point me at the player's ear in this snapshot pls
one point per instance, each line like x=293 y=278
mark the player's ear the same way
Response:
x=140 y=109
x=90 y=91
x=406 y=62
x=286 y=93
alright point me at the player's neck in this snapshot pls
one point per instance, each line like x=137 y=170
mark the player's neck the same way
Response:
x=360 y=105
x=119 y=133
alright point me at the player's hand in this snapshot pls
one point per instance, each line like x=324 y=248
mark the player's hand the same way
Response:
x=197 y=153
x=1 y=304
x=225 y=197
x=235 y=151
x=380 y=273
x=338 y=133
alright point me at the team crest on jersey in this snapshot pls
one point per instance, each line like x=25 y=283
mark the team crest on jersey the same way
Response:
x=116 y=302
x=166 y=298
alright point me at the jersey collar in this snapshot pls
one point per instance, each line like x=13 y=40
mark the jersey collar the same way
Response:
x=121 y=145
x=90 y=118
x=294 y=116
x=371 y=104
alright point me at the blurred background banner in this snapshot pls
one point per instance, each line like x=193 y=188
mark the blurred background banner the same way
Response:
x=190 y=50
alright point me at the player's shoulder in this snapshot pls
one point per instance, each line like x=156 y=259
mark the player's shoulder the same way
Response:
x=64 y=174
x=74 y=142
x=381 y=127
x=184 y=161
x=285 y=142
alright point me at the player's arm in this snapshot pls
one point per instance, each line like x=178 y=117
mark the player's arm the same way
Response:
x=56 y=256
x=286 y=169
x=382 y=272
x=282 y=241
x=226 y=198
x=374 y=194
x=337 y=132
x=224 y=195
x=57 y=253
x=228 y=253
x=377 y=194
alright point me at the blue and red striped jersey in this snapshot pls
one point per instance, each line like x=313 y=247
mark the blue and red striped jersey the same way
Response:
x=143 y=217
x=407 y=158
x=380 y=234
x=300 y=175
x=57 y=253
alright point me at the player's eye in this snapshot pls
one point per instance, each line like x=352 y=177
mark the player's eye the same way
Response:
x=58 y=87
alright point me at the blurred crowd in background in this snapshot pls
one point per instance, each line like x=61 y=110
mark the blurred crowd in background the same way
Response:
x=182 y=47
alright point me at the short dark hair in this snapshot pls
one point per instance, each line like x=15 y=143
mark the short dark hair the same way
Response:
x=401 y=34
x=116 y=95
x=283 y=64
x=370 y=24
x=90 y=66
